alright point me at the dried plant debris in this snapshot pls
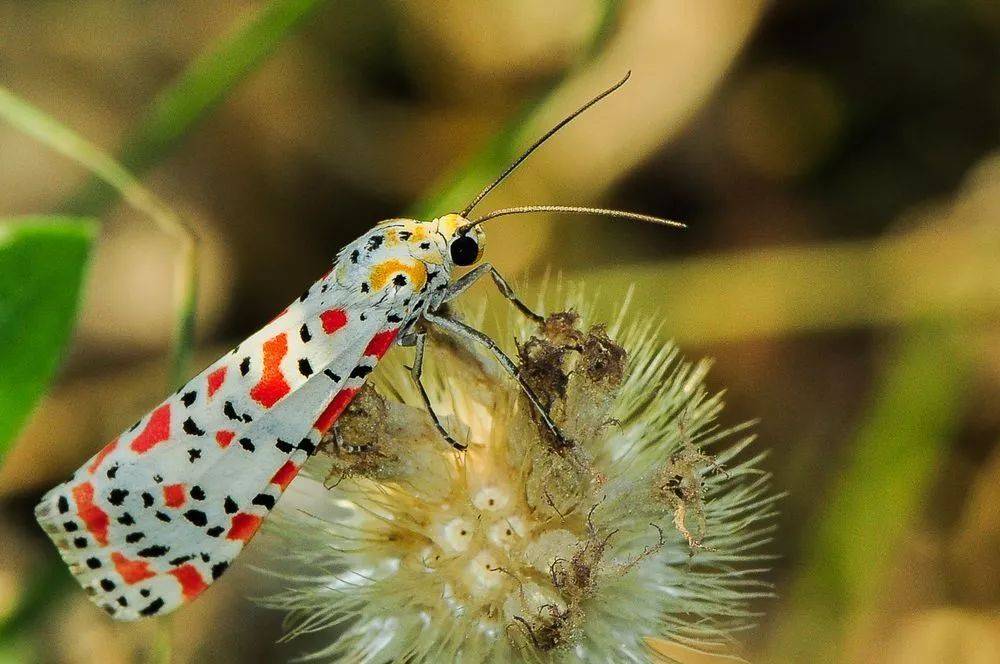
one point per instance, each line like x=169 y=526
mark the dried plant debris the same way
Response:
x=523 y=548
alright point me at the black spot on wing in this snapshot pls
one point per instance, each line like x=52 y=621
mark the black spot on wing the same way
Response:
x=361 y=371
x=153 y=607
x=192 y=429
x=230 y=505
x=264 y=500
x=197 y=517
x=197 y=492
x=154 y=551
x=304 y=367
x=214 y=531
x=132 y=538
x=189 y=397
x=304 y=333
x=245 y=366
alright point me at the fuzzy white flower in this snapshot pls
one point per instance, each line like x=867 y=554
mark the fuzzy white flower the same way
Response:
x=520 y=549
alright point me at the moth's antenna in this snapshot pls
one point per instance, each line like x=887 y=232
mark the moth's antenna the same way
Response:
x=534 y=146
x=572 y=209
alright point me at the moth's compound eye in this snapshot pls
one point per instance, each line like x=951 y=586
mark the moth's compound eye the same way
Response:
x=464 y=250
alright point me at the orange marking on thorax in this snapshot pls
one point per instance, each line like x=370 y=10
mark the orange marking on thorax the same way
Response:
x=174 y=495
x=381 y=343
x=336 y=407
x=216 y=379
x=223 y=438
x=272 y=385
x=99 y=458
x=157 y=430
x=285 y=475
x=132 y=571
x=385 y=270
x=243 y=526
x=333 y=320
x=94 y=518
x=190 y=579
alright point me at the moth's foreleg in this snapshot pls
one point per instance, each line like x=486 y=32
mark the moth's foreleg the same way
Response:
x=340 y=445
x=416 y=371
x=463 y=331
x=462 y=284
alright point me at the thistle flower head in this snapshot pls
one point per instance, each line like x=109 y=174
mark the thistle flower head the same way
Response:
x=525 y=548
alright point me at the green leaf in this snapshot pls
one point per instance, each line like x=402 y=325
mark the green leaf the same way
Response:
x=202 y=86
x=42 y=263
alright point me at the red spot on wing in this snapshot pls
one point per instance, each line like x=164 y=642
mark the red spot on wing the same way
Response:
x=336 y=407
x=333 y=320
x=93 y=517
x=174 y=495
x=132 y=571
x=223 y=438
x=157 y=430
x=243 y=526
x=285 y=475
x=190 y=579
x=381 y=342
x=99 y=458
x=216 y=379
x=272 y=385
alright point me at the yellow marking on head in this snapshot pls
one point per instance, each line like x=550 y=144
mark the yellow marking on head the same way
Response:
x=449 y=223
x=384 y=271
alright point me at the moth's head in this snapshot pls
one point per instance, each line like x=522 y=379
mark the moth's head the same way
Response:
x=465 y=240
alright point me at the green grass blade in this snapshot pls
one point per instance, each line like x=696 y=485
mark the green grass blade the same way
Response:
x=199 y=89
x=916 y=410
x=42 y=264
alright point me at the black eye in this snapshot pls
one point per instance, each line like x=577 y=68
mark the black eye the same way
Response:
x=464 y=250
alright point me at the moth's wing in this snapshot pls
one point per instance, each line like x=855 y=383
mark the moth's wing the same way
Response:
x=152 y=519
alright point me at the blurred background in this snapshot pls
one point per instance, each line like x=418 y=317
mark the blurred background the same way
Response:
x=837 y=166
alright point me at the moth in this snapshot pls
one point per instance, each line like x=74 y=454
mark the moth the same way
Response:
x=158 y=514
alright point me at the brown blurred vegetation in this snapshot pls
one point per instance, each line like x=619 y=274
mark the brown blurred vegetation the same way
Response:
x=835 y=163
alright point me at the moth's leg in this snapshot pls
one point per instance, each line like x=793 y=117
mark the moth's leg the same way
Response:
x=416 y=371
x=461 y=284
x=463 y=331
x=336 y=439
